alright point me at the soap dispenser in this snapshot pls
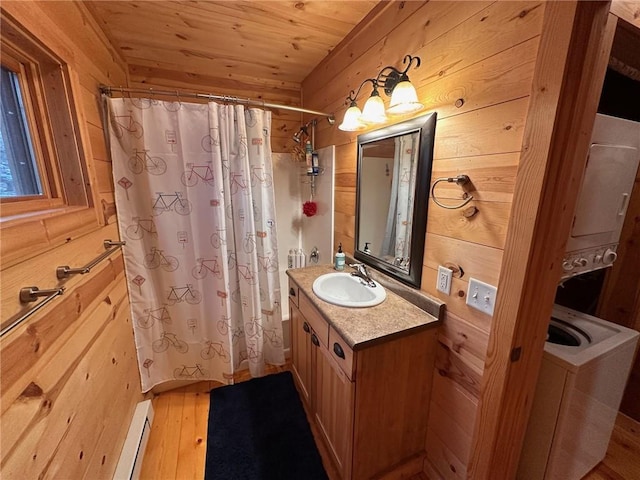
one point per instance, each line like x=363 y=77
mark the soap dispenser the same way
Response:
x=339 y=259
x=366 y=247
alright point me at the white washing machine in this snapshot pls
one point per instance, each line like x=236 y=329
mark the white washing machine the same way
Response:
x=579 y=391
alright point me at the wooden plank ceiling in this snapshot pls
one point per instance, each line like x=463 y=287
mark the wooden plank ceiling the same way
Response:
x=229 y=47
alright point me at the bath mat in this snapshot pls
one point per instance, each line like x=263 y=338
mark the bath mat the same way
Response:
x=258 y=430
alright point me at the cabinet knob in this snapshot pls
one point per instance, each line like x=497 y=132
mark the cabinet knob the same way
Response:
x=292 y=292
x=337 y=349
x=305 y=327
x=315 y=340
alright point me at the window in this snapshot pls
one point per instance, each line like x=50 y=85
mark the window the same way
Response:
x=44 y=187
x=19 y=176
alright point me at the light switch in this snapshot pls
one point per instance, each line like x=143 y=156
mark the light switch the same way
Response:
x=481 y=296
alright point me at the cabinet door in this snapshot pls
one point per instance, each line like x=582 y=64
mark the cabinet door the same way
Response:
x=333 y=399
x=300 y=351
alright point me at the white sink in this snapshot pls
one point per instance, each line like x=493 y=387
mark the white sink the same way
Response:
x=345 y=290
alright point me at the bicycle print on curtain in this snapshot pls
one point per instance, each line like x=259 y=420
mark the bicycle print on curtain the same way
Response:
x=195 y=203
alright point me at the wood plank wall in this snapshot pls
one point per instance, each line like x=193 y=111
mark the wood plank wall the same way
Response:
x=572 y=58
x=69 y=378
x=284 y=123
x=483 y=53
x=627 y=10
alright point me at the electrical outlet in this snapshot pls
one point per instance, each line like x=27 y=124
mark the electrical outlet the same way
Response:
x=444 y=279
x=481 y=296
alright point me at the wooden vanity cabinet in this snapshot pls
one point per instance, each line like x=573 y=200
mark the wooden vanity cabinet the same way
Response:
x=300 y=351
x=326 y=390
x=371 y=405
x=333 y=401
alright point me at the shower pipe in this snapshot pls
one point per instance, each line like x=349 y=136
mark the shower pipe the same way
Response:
x=107 y=90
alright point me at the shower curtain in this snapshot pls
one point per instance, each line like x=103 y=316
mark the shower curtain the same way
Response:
x=194 y=196
x=397 y=239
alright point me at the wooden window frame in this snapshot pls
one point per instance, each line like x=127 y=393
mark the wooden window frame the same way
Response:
x=40 y=133
x=52 y=114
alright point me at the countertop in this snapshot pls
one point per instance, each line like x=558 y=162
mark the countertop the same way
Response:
x=362 y=327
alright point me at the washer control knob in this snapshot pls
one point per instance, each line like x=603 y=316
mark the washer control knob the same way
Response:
x=580 y=262
x=609 y=256
x=597 y=258
x=567 y=266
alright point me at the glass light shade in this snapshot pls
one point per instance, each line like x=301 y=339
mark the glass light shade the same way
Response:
x=373 y=111
x=404 y=99
x=351 y=121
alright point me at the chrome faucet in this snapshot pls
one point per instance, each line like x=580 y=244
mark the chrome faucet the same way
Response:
x=362 y=274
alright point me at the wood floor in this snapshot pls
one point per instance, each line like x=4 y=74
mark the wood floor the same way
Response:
x=622 y=461
x=177 y=445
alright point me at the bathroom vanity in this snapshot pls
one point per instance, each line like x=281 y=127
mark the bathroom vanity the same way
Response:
x=365 y=376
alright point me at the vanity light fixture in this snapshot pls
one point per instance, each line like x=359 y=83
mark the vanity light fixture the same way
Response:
x=396 y=85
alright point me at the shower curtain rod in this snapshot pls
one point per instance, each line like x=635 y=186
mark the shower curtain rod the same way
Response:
x=107 y=90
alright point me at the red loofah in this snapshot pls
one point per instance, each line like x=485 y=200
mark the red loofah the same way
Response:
x=309 y=208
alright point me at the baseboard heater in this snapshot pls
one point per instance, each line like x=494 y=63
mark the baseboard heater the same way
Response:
x=130 y=462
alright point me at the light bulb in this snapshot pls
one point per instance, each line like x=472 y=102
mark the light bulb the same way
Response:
x=404 y=99
x=351 y=121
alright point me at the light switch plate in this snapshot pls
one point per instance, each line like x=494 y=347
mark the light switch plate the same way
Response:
x=443 y=283
x=481 y=296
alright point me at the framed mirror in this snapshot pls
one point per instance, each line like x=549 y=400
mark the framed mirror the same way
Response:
x=392 y=197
